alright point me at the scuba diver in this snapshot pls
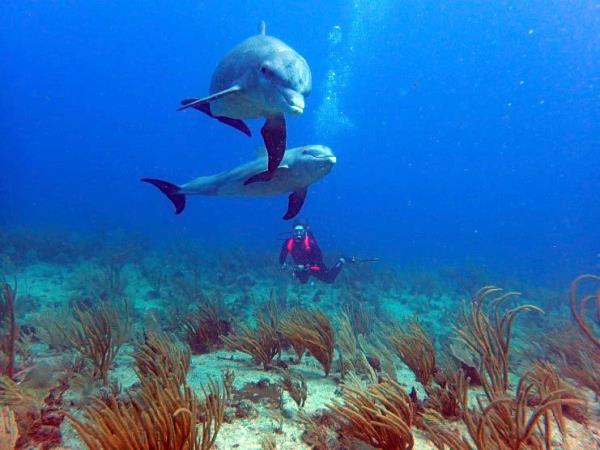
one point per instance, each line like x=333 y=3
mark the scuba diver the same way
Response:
x=307 y=256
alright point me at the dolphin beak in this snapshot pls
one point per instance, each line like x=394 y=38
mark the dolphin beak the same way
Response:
x=332 y=159
x=296 y=103
x=294 y=109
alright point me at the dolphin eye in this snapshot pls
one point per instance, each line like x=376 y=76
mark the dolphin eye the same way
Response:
x=265 y=70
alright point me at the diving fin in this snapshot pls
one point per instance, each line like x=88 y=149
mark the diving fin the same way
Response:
x=295 y=202
x=204 y=107
x=275 y=137
x=172 y=191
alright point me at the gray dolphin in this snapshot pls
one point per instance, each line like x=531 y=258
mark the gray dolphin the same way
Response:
x=300 y=167
x=260 y=77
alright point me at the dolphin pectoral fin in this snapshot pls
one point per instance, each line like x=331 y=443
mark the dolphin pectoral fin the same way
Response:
x=235 y=123
x=205 y=108
x=274 y=135
x=172 y=191
x=295 y=202
x=263 y=176
x=192 y=102
x=267 y=176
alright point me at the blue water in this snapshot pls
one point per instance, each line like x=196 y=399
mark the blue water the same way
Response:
x=463 y=130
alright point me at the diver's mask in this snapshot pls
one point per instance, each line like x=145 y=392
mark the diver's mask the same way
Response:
x=299 y=232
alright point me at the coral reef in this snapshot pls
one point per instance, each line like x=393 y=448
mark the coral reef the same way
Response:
x=126 y=342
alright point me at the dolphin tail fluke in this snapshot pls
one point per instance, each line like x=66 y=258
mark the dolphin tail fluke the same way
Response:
x=172 y=191
x=204 y=107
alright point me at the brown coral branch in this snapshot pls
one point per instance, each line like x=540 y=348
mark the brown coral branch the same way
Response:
x=583 y=366
x=489 y=338
x=261 y=343
x=313 y=331
x=98 y=334
x=415 y=348
x=212 y=413
x=381 y=416
x=163 y=417
x=509 y=422
x=546 y=379
x=440 y=434
x=161 y=356
x=9 y=433
x=9 y=344
x=444 y=399
x=579 y=311
x=205 y=327
x=294 y=384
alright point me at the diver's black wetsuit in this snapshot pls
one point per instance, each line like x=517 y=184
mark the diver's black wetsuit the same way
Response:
x=307 y=253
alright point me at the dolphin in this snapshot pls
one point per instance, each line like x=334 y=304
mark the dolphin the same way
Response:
x=301 y=167
x=260 y=77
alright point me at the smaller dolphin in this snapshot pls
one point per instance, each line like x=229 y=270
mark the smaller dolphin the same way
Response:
x=301 y=167
x=260 y=77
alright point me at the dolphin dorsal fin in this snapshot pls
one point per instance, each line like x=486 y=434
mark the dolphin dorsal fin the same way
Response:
x=262 y=28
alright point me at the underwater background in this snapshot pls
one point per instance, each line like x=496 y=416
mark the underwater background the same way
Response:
x=463 y=129
x=467 y=137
